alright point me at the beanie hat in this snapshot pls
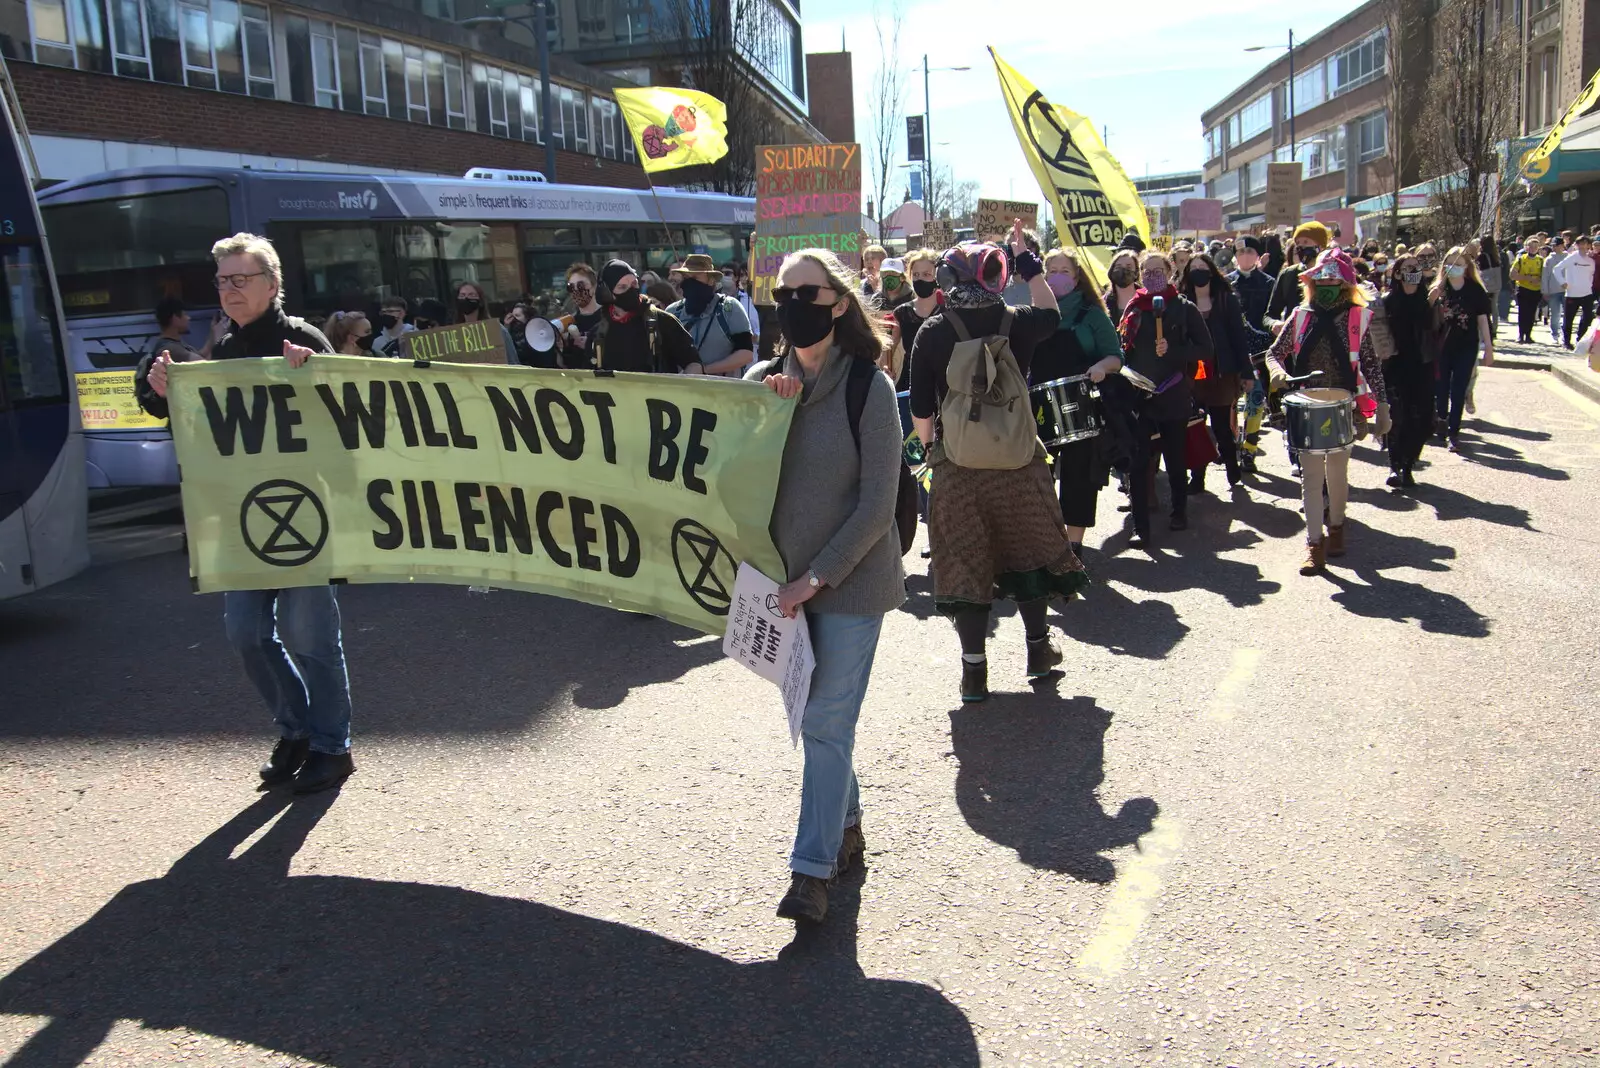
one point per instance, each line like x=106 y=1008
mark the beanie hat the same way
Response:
x=614 y=272
x=1315 y=231
x=1252 y=243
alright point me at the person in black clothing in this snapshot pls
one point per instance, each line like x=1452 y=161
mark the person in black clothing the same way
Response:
x=1167 y=362
x=1272 y=257
x=1253 y=285
x=1228 y=368
x=288 y=639
x=634 y=334
x=1409 y=373
x=1465 y=313
x=992 y=530
x=1309 y=241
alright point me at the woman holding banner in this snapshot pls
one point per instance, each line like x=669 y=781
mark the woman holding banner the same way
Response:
x=472 y=308
x=833 y=521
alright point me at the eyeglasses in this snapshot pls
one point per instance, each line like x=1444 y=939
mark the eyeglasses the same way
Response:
x=800 y=294
x=237 y=281
x=579 y=287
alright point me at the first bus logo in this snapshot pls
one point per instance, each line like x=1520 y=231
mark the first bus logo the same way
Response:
x=366 y=199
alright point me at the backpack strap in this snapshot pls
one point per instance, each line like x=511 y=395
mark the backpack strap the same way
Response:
x=957 y=325
x=857 y=384
x=653 y=327
x=1005 y=322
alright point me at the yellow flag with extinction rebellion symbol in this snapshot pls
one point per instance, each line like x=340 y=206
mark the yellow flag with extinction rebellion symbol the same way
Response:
x=674 y=128
x=1095 y=202
x=638 y=491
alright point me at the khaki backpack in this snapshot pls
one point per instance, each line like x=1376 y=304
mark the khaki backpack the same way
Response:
x=986 y=421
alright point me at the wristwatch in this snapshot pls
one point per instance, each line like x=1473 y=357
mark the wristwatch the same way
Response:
x=812 y=580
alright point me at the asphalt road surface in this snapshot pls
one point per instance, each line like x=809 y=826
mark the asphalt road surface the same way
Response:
x=1261 y=819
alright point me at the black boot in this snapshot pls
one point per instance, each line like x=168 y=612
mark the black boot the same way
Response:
x=806 y=900
x=286 y=758
x=322 y=771
x=1197 y=481
x=974 y=681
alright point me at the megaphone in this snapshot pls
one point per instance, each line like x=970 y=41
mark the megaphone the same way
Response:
x=540 y=334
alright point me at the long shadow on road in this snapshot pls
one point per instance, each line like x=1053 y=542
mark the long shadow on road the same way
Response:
x=1031 y=766
x=360 y=973
x=127 y=650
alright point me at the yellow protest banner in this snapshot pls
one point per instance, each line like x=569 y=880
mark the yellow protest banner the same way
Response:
x=643 y=492
x=106 y=401
x=1551 y=141
x=1095 y=202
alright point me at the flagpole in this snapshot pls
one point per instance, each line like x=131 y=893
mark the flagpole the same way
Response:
x=663 y=213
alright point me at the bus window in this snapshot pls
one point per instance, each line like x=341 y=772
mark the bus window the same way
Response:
x=664 y=251
x=606 y=238
x=484 y=253
x=340 y=268
x=547 y=280
x=124 y=255
x=716 y=242
x=544 y=236
x=416 y=256
x=29 y=362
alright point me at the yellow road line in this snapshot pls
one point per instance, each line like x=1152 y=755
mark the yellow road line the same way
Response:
x=1225 y=702
x=1136 y=889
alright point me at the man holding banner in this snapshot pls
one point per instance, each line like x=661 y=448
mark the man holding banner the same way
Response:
x=288 y=639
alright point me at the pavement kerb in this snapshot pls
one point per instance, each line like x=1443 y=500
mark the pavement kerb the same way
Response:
x=1579 y=380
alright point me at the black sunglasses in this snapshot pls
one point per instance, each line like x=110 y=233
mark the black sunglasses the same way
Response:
x=799 y=294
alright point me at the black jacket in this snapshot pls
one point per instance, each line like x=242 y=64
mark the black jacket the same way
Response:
x=264 y=337
x=1255 y=292
x=1286 y=293
x=1230 y=341
x=1188 y=341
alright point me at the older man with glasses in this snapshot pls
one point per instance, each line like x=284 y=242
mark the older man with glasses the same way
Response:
x=289 y=639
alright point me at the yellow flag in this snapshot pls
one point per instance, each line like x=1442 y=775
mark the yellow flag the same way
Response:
x=1095 y=202
x=675 y=127
x=1552 y=140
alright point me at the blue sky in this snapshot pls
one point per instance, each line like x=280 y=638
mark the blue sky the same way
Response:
x=1144 y=69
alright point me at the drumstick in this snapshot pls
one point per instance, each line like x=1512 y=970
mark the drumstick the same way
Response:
x=1159 y=306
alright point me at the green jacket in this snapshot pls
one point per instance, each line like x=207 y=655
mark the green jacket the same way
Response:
x=1096 y=333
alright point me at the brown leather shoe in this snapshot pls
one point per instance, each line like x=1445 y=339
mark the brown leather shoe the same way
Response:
x=1316 y=561
x=1335 y=543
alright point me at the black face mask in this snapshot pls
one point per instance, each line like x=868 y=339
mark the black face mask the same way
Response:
x=925 y=287
x=696 y=295
x=805 y=324
x=364 y=343
x=1121 y=276
x=1306 y=255
x=628 y=301
x=424 y=324
x=469 y=306
x=1200 y=279
x=388 y=322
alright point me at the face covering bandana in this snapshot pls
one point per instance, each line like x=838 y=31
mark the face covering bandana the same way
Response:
x=925 y=287
x=1154 y=282
x=1307 y=255
x=628 y=301
x=805 y=324
x=1328 y=295
x=1121 y=276
x=1200 y=279
x=389 y=322
x=1061 y=282
x=469 y=305
x=696 y=295
x=892 y=283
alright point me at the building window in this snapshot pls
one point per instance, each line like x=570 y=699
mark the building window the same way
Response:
x=608 y=132
x=51 y=30
x=771 y=41
x=569 y=118
x=1256 y=174
x=1358 y=64
x=325 y=64
x=1255 y=118
x=129 y=42
x=1372 y=136
x=455 y=94
x=416 y=85
x=257 y=40
x=1213 y=142
x=1224 y=187
x=1310 y=89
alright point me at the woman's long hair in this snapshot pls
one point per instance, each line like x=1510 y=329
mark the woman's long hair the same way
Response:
x=341 y=327
x=855 y=332
x=1441 y=285
x=1490 y=250
x=1219 y=288
x=1090 y=293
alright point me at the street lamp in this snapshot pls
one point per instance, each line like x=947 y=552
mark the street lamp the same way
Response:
x=927 y=129
x=539 y=27
x=1257 y=48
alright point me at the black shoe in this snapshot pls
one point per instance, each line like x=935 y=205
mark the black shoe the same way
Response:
x=1043 y=656
x=286 y=758
x=806 y=900
x=1569 y=346
x=1235 y=476
x=974 y=681
x=1407 y=480
x=1179 y=521
x=852 y=849
x=1140 y=539
x=322 y=771
x=1394 y=480
x=1197 y=484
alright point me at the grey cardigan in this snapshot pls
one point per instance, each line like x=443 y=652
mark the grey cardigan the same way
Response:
x=835 y=509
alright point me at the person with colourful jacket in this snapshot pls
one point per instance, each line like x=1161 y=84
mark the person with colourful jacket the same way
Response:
x=1327 y=333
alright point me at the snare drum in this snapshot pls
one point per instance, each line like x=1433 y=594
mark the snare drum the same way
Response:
x=1320 y=420
x=1069 y=410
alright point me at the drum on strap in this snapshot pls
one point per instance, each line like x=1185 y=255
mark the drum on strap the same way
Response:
x=1139 y=381
x=1068 y=410
x=1320 y=420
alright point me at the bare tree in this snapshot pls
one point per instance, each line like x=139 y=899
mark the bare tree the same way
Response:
x=1407 y=28
x=950 y=199
x=887 y=101
x=715 y=54
x=1469 y=110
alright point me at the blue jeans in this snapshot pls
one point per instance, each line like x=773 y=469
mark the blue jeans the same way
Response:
x=309 y=695
x=1450 y=394
x=830 y=799
x=1556 y=302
